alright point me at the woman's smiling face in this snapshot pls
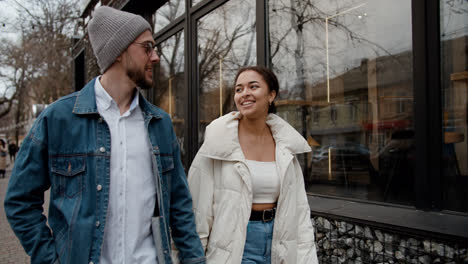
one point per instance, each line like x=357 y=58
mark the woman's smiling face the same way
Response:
x=252 y=95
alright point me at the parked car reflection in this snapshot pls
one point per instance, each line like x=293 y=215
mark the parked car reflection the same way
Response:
x=396 y=167
x=341 y=162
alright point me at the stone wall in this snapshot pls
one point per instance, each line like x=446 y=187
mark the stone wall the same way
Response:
x=346 y=242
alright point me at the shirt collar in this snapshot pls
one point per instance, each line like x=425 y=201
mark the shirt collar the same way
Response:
x=135 y=102
x=105 y=100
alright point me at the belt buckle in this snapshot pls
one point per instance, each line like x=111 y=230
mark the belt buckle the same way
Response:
x=271 y=215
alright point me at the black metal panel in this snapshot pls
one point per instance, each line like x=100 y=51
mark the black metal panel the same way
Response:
x=427 y=103
x=204 y=8
x=191 y=83
x=141 y=6
x=79 y=70
x=169 y=30
x=442 y=225
x=434 y=114
x=263 y=46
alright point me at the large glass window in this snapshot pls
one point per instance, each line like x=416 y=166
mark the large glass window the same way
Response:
x=454 y=47
x=170 y=93
x=345 y=69
x=194 y=2
x=226 y=42
x=167 y=13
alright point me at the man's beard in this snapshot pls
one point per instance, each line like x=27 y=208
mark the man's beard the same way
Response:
x=139 y=78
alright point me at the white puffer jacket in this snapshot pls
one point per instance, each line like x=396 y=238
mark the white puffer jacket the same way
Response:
x=222 y=195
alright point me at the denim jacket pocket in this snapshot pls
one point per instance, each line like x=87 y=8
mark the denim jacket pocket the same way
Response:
x=167 y=163
x=67 y=175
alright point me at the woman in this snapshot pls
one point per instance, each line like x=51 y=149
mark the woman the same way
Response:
x=3 y=158
x=247 y=185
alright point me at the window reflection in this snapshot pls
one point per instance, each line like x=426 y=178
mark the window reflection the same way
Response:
x=194 y=2
x=226 y=42
x=168 y=13
x=170 y=93
x=345 y=69
x=454 y=42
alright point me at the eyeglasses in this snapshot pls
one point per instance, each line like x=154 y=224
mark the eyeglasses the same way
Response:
x=149 y=48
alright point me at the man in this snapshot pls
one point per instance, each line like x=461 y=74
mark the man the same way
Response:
x=12 y=151
x=118 y=191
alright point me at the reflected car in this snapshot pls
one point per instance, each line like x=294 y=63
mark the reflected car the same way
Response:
x=341 y=160
x=396 y=167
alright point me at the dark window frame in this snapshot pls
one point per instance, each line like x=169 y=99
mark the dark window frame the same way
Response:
x=427 y=104
x=79 y=69
x=427 y=115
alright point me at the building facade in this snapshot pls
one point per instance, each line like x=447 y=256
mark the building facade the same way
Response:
x=378 y=88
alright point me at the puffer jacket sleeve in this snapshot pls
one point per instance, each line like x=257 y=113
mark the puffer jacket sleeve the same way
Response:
x=307 y=252
x=201 y=184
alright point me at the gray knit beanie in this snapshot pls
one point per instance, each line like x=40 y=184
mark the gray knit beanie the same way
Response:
x=111 y=31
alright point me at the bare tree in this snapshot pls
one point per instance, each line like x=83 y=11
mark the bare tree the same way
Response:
x=308 y=20
x=16 y=63
x=49 y=34
x=36 y=69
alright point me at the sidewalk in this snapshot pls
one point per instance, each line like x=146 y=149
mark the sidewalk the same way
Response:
x=11 y=250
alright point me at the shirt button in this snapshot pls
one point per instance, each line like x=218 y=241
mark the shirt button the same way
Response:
x=99 y=187
x=98 y=223
x=102 y=149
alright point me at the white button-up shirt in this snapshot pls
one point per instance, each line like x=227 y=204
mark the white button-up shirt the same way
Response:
x=132 y=193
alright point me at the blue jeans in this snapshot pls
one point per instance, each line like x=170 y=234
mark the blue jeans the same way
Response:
x=257 y=248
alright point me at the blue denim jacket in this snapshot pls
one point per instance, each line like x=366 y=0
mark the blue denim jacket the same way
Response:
x=68 y=150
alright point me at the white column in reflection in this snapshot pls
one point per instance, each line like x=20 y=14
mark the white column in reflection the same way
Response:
x=326 y=43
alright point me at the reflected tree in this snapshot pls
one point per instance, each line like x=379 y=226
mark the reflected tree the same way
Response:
x=172 y=61
x=226 y=42
x=168 y=13
x=310 y=20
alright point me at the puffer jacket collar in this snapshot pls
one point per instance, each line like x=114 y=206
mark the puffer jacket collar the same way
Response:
x=228 y=148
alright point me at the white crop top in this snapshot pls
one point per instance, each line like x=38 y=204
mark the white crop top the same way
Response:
x=265 y=181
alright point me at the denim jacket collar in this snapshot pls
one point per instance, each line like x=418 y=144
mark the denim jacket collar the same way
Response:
x=86 y=103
